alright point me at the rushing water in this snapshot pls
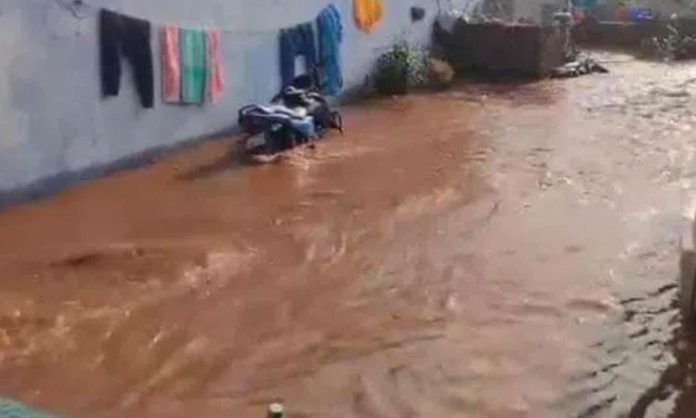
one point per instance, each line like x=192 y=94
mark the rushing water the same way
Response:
x=496 y=250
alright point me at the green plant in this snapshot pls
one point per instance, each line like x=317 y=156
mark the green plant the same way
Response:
x=401 y=68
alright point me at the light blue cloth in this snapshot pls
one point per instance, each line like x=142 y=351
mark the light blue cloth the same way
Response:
x=305 y=126
x=194 y=65
x=330 y=38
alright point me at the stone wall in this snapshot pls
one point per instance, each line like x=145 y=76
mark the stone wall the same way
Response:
x=489 y=49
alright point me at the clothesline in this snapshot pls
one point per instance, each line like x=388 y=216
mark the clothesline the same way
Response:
x=83 y=11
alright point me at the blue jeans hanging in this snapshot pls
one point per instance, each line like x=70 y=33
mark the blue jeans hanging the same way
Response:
x=297 y=41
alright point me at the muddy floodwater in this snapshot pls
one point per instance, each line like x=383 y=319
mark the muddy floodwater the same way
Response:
x=495 y=250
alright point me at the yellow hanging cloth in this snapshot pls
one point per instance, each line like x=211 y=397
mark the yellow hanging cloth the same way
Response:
x=367 y=13
x=376 y=12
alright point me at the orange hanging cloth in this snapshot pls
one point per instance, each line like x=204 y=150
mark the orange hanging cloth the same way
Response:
x=367 y=14
x=376 y=12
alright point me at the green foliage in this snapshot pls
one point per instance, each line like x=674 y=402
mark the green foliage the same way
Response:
x=401 y=68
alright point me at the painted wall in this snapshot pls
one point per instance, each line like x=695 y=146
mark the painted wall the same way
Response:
x=54 y=120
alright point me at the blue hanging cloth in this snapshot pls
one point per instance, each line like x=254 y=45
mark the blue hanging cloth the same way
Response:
x=294 y=42
x=330 y=37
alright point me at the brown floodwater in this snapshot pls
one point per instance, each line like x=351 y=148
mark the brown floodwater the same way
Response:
x=495 y=250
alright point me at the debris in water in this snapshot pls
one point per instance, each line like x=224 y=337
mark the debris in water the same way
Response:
x=577 y=68
x=276 y=410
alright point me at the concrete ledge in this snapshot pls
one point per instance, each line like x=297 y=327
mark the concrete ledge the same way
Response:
x=688 y=268
x=618 y=34
x=490 y=48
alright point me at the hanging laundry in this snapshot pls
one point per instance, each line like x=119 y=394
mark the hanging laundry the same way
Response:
x=194 y=63
x=171 y=70
x=376 y=12
x=330 y=37
x=294 y=42
x=367 y=14
x=128 y=37
x=216 y=82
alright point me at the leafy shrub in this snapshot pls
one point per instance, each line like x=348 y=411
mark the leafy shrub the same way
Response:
x=400 y=69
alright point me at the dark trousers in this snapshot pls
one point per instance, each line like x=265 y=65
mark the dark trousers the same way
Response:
x=295 y=41
x=130 y=37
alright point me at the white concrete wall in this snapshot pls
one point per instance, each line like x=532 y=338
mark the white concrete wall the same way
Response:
x=532 y=9
x=54 y=120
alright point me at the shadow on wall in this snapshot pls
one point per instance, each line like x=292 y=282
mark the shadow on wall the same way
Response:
x=53 y=184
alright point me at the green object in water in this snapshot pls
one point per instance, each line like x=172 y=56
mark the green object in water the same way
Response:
x=276 y=410
x=11 y=409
